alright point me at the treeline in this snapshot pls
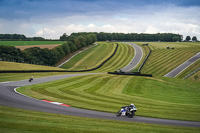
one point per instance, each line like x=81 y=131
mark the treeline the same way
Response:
x=19 y=37
x=164 y=37
x=45 y=56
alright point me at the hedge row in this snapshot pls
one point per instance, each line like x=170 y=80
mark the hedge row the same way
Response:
x=32 y=71
x=45 y=56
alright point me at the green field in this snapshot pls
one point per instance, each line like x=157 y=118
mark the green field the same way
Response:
x=162 y=60
x=25 y=43
x=17 y=121
x=94 y=56
x=162 y=98
x=123 y=57
x=23 y=66
x=91 y=58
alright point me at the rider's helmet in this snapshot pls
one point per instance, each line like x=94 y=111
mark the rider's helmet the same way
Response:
x=132 y=104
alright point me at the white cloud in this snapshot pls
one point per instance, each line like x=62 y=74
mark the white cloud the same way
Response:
x=148 y=19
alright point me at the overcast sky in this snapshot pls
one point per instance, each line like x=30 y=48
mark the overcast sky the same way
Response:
x=52 y=18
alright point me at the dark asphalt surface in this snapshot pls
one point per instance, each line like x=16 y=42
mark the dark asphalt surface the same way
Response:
x=8 y=97
x=183 y=66
x=135 y=61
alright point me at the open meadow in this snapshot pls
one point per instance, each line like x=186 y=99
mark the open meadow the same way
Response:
x=26 y=43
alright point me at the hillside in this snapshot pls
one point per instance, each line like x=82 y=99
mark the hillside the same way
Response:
x=163 y=60
x=94 y=56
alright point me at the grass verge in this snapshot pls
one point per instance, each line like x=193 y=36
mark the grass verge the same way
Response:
x=22 y=76
x=191 y=68
x=14 y=120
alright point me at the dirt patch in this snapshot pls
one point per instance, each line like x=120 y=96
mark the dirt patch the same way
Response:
x=49 y=46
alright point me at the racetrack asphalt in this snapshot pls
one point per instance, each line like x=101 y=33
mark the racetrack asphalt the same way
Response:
x=183 y=66
x=137 y=58
x=8 y=97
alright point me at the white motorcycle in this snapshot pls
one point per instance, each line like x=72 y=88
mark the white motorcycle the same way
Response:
x=128 y=111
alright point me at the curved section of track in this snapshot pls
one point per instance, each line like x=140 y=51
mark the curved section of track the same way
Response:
x=183 y=66
x=136 y=60
x=8 y=97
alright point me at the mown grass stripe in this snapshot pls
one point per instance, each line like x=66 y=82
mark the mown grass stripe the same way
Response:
x=109 y=92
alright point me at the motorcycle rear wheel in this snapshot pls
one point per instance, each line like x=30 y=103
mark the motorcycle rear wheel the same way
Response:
x=118 y=113
x=131 y=114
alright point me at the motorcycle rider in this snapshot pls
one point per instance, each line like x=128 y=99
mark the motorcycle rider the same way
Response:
x=129 y=107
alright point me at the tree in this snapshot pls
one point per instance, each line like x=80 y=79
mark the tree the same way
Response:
x=66 y=48
x=93 y=37
x=175 y=38
x=64 y=37
x=72 y=46
x=82 y=40
x=194 y=38
x=89 y=40
x=188 y=38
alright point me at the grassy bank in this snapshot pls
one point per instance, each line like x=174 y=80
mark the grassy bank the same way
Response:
x=91 y=58
x=17 y=120
x=94 y=56
x=162 y=60
x=23 y=66
x=190 y=69
x=23 y=76
x=123 y=57
x=162 y=98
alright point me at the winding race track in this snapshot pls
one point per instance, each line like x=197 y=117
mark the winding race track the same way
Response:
x=8 y=97
x=137 y=58
x=183 y=66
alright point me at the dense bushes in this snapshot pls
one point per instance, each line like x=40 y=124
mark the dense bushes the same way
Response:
x=19 y=37
x=45 y=56
x=165 y=37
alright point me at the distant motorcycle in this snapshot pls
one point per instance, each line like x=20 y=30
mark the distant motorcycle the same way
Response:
x=128 y=111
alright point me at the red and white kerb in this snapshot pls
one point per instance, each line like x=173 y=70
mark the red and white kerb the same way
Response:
x=57 y=103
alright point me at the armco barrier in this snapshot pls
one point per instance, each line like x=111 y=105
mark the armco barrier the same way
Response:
x=145 y=60
x=190 y=74
x=131 y=74
x=33 y=71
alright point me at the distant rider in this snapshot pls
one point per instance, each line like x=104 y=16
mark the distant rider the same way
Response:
x=31 y=79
